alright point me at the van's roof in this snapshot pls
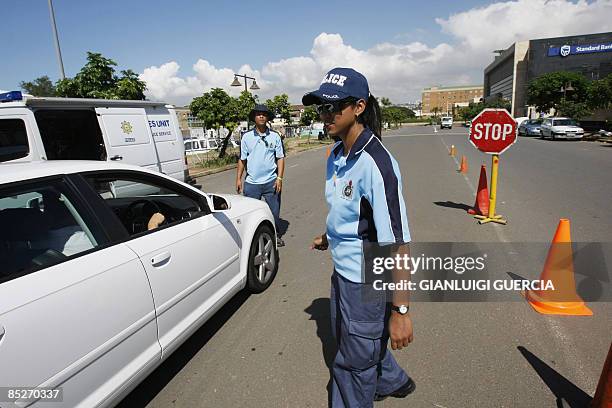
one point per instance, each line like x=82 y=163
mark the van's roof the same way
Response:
x=28 y=100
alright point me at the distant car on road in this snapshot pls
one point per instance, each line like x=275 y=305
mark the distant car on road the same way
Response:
x=560 y=128
x=446 y=122
x=520 y=120
x=530 y=127
x=94 y=294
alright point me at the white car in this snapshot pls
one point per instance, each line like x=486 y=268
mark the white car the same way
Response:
x=520 y=120
x=446 y=122
x=93 y=294
x=200 y=145
x=560 y=128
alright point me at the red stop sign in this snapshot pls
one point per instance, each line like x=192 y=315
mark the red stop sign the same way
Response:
x=493 y=131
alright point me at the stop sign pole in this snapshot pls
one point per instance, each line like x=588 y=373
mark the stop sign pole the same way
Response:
x=493 y=131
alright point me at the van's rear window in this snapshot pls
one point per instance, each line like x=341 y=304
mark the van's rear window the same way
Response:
x=13 y=139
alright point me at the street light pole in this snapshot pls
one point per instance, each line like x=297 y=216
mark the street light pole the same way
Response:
x=55 y=36
x=236 y=82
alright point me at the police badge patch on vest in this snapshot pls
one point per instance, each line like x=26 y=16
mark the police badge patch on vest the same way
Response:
x=347 y=190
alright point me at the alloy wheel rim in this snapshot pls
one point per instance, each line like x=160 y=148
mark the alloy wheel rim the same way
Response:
x=265 y=259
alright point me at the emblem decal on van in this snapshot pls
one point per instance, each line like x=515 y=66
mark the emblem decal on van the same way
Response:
x=126 y=127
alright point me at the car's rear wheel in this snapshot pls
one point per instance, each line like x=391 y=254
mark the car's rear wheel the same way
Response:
x=263 y=260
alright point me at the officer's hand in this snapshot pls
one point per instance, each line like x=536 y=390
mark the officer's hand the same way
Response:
x=239 y=186
x=400 y=330
x=278 y=185
x=320 y=242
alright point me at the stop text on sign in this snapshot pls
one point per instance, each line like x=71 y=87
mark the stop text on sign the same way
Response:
x=492 y=131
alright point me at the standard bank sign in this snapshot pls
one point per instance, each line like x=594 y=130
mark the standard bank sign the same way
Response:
x=566 y=50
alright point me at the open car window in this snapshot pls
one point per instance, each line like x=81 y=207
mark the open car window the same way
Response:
x=41 y=226
x=143 y=205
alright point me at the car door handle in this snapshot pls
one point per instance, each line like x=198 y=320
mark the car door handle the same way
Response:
x=116 y=157
x=2 y=331
x=161 y=259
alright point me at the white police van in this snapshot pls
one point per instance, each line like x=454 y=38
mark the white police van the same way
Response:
x=143 y=133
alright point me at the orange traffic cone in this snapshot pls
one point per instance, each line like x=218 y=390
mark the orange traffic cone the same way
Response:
x=452 y=151
x=481 y=206
x=603 y=395
x=559 y=269
x=463 y=168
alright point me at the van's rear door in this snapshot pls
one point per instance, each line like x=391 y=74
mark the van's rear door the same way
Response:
x=127 y=136
x=168 y=140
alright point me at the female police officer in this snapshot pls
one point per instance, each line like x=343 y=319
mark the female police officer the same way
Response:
x=364 y=194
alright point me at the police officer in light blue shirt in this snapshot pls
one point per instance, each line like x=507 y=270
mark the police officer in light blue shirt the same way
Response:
x=263 y=157
x=363 y=190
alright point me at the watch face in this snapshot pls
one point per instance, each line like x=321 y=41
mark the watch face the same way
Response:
x=403 y=309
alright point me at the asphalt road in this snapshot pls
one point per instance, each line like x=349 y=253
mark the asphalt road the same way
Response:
x=274 y=349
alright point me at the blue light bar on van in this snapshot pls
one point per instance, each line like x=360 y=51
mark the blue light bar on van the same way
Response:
x=11 y=96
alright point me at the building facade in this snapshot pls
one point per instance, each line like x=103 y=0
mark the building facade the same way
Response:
x=447 y=97
x=509 y=74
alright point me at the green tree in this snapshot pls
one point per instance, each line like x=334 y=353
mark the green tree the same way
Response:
x=97 y=79
x=217 y=109
x=549 y=91
x=384 y=101
x=281 y=107
x=309 y=116
x=435 y=110
x=129 y=86
x=396 y=114
x=600 y=93
x=473 y=109
x=41 y=86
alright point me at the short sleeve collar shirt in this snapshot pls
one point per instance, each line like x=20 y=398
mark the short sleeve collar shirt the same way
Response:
x=364 y=194
x=261 y=152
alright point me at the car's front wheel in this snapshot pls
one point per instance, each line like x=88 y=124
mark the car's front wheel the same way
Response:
x=263 y=260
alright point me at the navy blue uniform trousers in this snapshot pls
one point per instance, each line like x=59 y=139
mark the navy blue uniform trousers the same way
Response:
x=363 y=366
x=268 y=193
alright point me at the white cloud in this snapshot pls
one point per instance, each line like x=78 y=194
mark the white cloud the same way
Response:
x=501 y=24
x=398 y=70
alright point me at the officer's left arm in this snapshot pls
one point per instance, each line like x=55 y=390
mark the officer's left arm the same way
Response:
x=389 y=213
x=280 y=163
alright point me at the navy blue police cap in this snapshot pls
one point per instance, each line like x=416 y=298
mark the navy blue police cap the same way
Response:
x=339 y=83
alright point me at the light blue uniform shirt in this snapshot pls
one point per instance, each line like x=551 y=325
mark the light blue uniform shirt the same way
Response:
x=364 y=194
x=261 y=153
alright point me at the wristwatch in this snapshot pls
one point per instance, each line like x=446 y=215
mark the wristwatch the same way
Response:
x=401 y=309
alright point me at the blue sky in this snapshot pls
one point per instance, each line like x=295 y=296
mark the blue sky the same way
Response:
x=228 y=35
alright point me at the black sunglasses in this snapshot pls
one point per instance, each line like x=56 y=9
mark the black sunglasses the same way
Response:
x=335 y=106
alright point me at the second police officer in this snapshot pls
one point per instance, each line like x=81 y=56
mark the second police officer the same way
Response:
x=263 y=157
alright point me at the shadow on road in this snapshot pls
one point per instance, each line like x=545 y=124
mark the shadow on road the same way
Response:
x=450 y=204
x=158 y=379
x=566 y=392
x=319 y=312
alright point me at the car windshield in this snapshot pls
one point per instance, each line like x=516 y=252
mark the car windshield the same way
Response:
x=534 y=122
x=564 y=122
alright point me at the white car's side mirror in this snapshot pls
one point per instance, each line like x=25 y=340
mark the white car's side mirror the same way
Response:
x=218 y=203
